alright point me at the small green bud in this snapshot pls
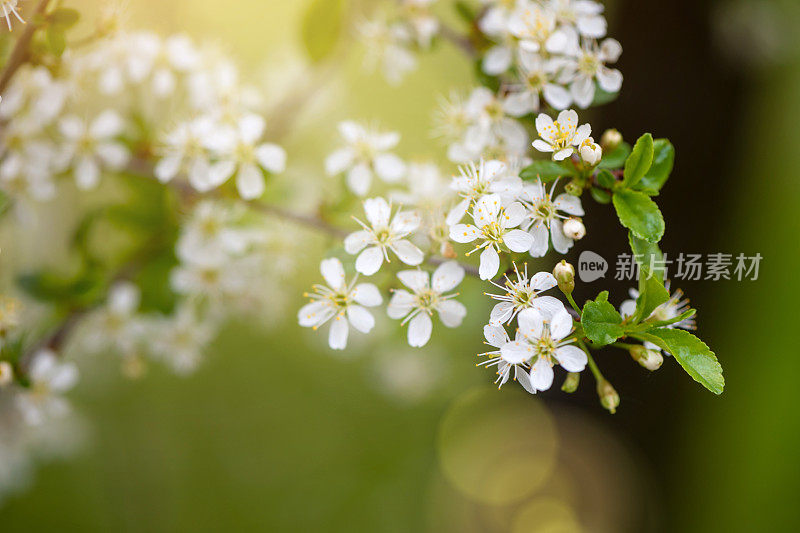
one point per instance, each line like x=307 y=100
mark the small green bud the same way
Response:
x=571 y=382
x=649 y=359
x=608 y=396
x=565 y=276
x=6 y=373
x=574 y=188
x=610 y=140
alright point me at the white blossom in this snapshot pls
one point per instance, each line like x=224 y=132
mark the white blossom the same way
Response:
x=536 y=28
x=345 y=304
x=496 y=336
x=416 y=308
x=367 y=152
x=585 y=15
x=591 y=152
x=49 y=379
x=524 y=293
x=537 y=76
x=179 y=340
x=184 y=150
x=475 y=181
x=542 y=344
x=493 y=228
x=241 y=154
x=383 y=233
x=387 y=46
x=544 y=218
x=423 y=23
x=561 y=136
x=115 y=324
x=89 y=147
x=589 y=64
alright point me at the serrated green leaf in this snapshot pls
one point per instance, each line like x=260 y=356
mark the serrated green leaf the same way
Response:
x=663 y=161
x=602 y=324
x=640 y=214
x=692 y=354
x=546 y=170
x=616 y=157
x=601 y=196
x=648 y=255
x=651 y=294
x=321 y=28
x=639 y=162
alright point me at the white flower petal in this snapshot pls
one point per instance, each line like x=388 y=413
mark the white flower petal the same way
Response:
x=359 y=178
x=339 y=161
x=369 y=261
x=571 y=358
x=518 y=240
x=561 y=243
x=531 y=323
x=333 y=272
x=516 y=352
x=541 y=375
x=464 y=233
x=337 y=338
x=315 y=313
x=357 y=241
x=416 y=280
x=447 y=276
x=569 y=204
x=407 y=252
x=560 y=324
x=378 y=212
x=401 y=303
x=495 y=335
x=389 y=167
x=501 y=313
x=360 y=318
x=250 y=182
x=271 y=157
x=367 y=294
x=451 y=313
x=419 y=330
x=490 y=263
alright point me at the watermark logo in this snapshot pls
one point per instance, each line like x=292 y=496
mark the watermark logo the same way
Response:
x=591 y=266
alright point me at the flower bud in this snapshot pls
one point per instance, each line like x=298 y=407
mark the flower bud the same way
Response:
x=590 y=151
x=574 y=229
x=6 y=373
x=610 y=140
x=565 y=276
x=650 y=359
x=573 y=188
x=571 y=382
x=608 y=396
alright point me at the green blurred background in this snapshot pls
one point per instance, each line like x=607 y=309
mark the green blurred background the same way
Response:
x=274 y=433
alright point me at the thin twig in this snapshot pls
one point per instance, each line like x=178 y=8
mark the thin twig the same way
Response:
x=19 y=55
x=461 y=41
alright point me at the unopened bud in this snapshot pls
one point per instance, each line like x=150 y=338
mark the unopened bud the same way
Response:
x=573 y=188
x=565 y=276
x=610 y=140
x=574 y=229
x=608 y=396
x=650 y=359
x=6 y=373
x=571 y=382
x=590 y=152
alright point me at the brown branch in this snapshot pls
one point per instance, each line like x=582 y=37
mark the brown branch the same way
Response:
x=459 y=40
x=20 y=53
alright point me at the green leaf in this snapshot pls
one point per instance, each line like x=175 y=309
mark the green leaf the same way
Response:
x=693 y=355
x=640 y=214
x=651 y=294
x=616 y=157
x=640 y=160
x=606 y=179
x=64 y=17
x=50 y=287
x=322 y=27
x=546 y=170
x=663 y=161
x=601 y=196
x=648 y=255
x=603 y=97
x=56 y=40
x=601 y=323
x=5 y=203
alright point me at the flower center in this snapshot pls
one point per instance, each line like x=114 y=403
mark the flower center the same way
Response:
x=588 y=64
x=545 y=347
x=545 y=210
x=426 y=299
x=536 y=80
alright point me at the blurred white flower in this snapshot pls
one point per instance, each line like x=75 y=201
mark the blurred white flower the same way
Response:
x=115 y=325
x=585 y=15
x=543 y=343
x=424 y=24
x=180 y=339
x=417 y=307
x=91 y=146
x=49 y=379
x=345 y=304
x=367 y=152
x=544 y=220
x=589 y=63
x=387 y=46
x=184 y=150
x=494 y=229
x=536 y=28
x=537 y=77
x=383 y=233
x=241 y=154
